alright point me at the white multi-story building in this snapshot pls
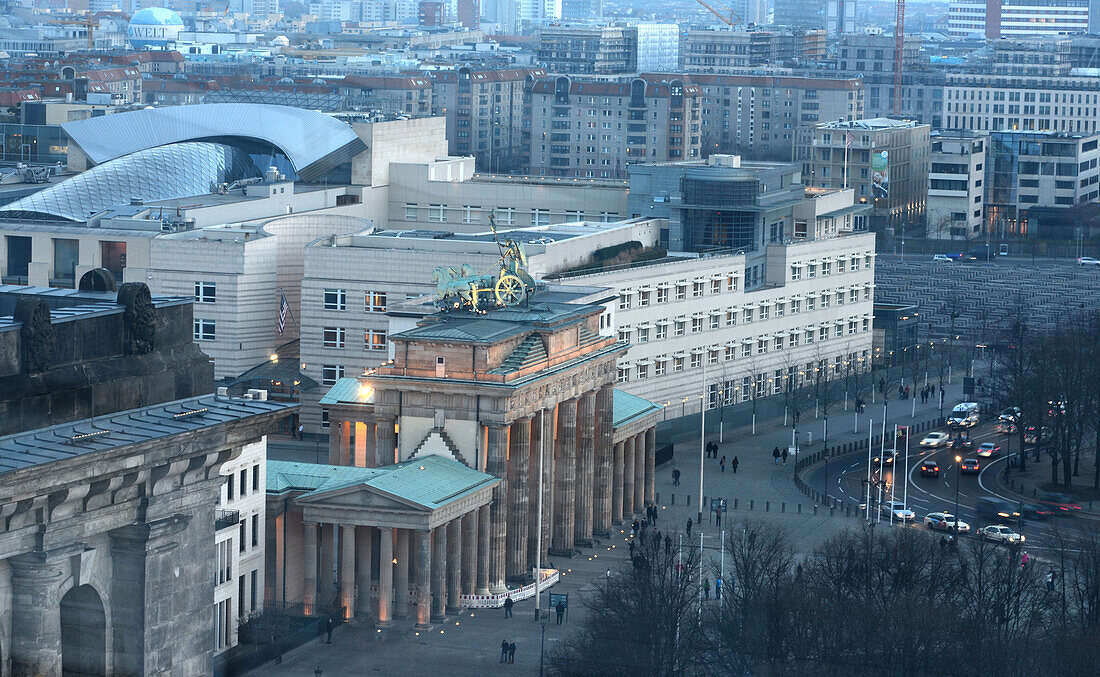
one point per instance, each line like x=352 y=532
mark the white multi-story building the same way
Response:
x=995 y=19
x=239 y=542
x=955 y=185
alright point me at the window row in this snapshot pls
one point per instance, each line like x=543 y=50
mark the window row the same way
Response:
x=337 y=299
x=502 y=216
x=336 y=337
x=829 y=266
x=790 y=378
x=647 y=296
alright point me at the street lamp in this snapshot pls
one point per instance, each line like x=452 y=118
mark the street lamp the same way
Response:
x=958 y=461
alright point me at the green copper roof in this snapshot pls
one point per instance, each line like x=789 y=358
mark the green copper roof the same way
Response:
x=626 y=408
x=346 y=391
x=430 y=482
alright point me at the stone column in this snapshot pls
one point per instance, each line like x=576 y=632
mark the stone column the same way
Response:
x=651 y=466
x=454 y=569
x=549 y=427
x=359 y=458
x=423 y=579
x=586 y=458
x=36 y=616
x=469 y=553
x=335 y=430
x=385 y=576
x=344 y=457
x=401 y=575
x=564 y=479
x=326 y=593
x=533 y=485
x=364 y=545
x=386 y=441
x=347 y=571
x=439 y=573
x=519 y=458
x=370 y=441
x=617 y=483
x=639 y=472
x=483 y=528
x=628 y=477
x=601 y=506
x=497 y=465
x=309 y=585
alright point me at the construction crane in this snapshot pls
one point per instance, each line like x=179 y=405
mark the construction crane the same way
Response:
x=725 y=12
x=899 y=51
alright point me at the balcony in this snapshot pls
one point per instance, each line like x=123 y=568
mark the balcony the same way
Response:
x=224 y=519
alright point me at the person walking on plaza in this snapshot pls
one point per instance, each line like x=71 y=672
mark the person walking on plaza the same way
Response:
x=718 y=517
x=675 y=477
x=733 y=465
x=775 y=455
x=717 y=588
x=503 y=650
x=784 y=455
x=668 y=544
x=689 y=526
x=706 y=588
x=560 y=610
x=328 y=631
x=1025 y=559
x=512 y=652
x=722 y=463
x=508 y=604
x=1050 y=581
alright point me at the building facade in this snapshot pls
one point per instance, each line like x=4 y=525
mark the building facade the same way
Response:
x=594 y=129
x=956 y=188
x=994 y=19
x=588 y=49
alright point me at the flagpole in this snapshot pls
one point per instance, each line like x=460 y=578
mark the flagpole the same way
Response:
x=847 y=143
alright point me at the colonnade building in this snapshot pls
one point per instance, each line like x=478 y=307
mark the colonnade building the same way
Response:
x=438 y=459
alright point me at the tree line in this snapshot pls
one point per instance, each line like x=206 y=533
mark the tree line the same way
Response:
x=896 y=603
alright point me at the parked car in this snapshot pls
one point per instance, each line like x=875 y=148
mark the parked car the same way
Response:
x=945 y=521
x=898 y=509
x=935 y=440
x=1063 y=503
x=942 y=257
x=970 y=466
x=1088 y=261
x=988 y=449
x=1001 y=534
x=929 y=468
x=997 y=508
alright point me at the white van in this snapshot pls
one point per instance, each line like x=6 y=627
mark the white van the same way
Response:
x=964 y=415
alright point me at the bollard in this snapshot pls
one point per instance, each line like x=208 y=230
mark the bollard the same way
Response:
x=657 y=497
x=735 y=504
x=783 y=507
x=767 y=506
x=687 y=501
x=799 y=508
x=673 y=501
x=847 y=510
x=752 y=503
x=831 y=511
x=815 y=510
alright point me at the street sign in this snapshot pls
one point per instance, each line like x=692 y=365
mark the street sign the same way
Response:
x=559 y=597
x=717 y=504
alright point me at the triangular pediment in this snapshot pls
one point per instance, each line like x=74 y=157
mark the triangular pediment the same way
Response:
x=360 y=496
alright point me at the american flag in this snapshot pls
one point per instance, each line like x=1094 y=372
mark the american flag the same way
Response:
x=283 y=308
x=849 y=139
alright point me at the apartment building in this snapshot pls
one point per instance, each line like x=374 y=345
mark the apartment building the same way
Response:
x=991 y=102
x=484 y=110
x=588 y=49
x=1031 y=172
x=727 y=51
x=884 y=160
x=239 y=541
x=757 y=115
x=956 y=187
x=594 y=129
x=394 y=95
x=447 y=194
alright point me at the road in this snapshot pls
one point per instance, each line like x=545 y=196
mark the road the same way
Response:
x=847 y=481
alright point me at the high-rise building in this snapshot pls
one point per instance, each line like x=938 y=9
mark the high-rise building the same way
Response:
x=840 y=17
x=585 y=128
x=809 y=14
x=657 y=47
x=995 y=19
x=585 y=49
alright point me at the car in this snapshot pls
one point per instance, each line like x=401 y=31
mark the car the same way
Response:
x=982 y=253
x=1030 y=438
x=945 y=521
x=1009 y=414
x=970 y=466
x=988 y=449
x=898 y=510
x=942 y=257
x=1037 y=511
x=888 y=459
x=929 y=468
x=1001 y=534
x=1062 y=503
x=997 y=508
x=962 y=444
x=1088 y=261
x=1006 y=427
x=935 y=440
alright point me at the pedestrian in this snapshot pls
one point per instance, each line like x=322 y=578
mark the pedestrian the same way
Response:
x=689 y=526
x=511 y=652
x=775 y=455
x=722 y=463
x=503 y=650
x=943 y=543
x=328 y=631
x=1050 y=581
x=706 y=588
x=560 y=610
x=508 y=604
x=733 y=465
x=906 y=392
x=299 y=431
x=1025 y=559
x=718 y=518
x=784 y=455
x=675 y=477
x=718 y=588
x=634 y=526
x=901 y=392
x=668 y=544
x=631 y=549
